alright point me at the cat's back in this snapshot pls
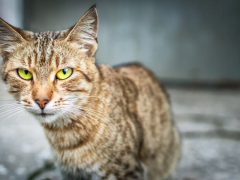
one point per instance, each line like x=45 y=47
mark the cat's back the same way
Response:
x=148 y=100
x=138 y=73
x=160 y=136
x=145 y=81
x=152 y=104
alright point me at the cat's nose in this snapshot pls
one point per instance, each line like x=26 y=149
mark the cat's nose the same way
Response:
x=42 y=103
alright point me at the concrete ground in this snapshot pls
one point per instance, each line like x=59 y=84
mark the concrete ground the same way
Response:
x=209 y=121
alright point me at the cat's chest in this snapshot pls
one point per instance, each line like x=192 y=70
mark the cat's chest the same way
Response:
x=81 y=164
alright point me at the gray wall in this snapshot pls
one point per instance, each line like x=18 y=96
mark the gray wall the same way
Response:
x=12 y=11
x=193 y=40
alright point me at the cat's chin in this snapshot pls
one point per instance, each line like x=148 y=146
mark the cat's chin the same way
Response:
x=46 y=118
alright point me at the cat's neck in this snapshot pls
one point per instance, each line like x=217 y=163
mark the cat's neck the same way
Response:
x=78 y=137
x=75 y=133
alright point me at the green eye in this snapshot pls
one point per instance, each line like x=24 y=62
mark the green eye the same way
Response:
x=24 y=74
x=64 y=73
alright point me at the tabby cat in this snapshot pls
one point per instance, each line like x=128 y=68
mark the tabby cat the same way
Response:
x=101 y=122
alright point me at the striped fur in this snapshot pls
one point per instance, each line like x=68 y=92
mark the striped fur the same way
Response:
x=103 y=123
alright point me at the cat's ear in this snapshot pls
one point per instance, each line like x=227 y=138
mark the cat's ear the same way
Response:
x=84 y=33
x=10 y=37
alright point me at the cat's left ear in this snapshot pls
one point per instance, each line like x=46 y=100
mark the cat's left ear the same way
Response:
x=84 y=33
x=10 y=37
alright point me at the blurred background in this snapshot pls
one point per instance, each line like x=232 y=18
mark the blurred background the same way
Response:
x=192 y=46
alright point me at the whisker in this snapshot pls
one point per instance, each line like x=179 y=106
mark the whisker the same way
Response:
x=8 y=107
x=89 y=118
x=19 y=115
x=85 y=97
x=9 y=111
x=23 y=112
x=8 y=100
x=8 y=104
x=96 y=114
x=76 y=112
x=11 y=116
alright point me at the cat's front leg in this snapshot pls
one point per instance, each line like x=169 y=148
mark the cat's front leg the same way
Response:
x=130 y=175
x=77 y=175
x=126 y=173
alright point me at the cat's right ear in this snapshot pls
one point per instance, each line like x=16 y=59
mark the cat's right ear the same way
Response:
x=84 y=33
x=10 y=37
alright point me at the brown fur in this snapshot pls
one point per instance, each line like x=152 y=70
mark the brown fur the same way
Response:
x=101 y=122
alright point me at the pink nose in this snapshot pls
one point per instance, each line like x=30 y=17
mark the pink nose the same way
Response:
x=42 y=103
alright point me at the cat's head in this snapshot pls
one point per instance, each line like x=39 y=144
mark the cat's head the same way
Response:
x=49 y=72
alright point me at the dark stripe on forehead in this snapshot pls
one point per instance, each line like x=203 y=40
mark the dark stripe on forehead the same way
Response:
x=57 y=61
x=44 y=49
x=29 y=61
x=50 y=58
x=35 y=57
x=50 y=34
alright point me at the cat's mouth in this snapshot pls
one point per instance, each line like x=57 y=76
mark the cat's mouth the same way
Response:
x=44 y=114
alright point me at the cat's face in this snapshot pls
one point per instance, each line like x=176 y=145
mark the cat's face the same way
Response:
x=49 y=73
